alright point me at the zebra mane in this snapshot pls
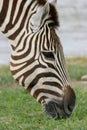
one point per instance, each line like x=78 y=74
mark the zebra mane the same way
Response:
x=53 y=13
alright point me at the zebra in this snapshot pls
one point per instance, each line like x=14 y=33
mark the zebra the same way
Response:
x=37 y=59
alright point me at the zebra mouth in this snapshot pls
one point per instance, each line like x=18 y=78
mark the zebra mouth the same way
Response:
x=54 y=110
x=50 y=109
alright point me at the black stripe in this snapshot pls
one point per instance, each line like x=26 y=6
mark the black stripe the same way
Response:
x=38 y=91
x=42 y=75
x=9 y=25
x=15 y=34
x=4 y=11
x=55 y=84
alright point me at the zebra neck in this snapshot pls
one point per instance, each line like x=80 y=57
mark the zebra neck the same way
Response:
x=14 y=18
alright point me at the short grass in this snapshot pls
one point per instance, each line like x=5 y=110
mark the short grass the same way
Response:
x=77 y=67
x=19 y=111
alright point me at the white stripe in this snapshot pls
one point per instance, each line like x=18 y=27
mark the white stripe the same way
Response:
x=38 y=44
x=24 y=59
x=63 y=69
x=42 y=62
x=49 y=96
x=15 y=42
x=22 y=43
x=20 y=80
x=45 y=42
x=13 y=30
x=17 y=67
x=1 y=5
x=46 y=87
x=31 y=54
x=26 y=69
x=6 y=21
x=40 y=85
x=31 y=77
x=39 y=71
x=16 y=10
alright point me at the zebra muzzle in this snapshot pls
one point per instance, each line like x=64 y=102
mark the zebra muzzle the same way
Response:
x=54 y=108
x=49 y=109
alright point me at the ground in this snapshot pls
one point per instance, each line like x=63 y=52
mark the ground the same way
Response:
x=20 y=111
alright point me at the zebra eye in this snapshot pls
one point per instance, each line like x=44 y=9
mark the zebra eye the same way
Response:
x=49 y=55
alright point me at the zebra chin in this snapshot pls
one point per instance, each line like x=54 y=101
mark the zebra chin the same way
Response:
x=54 y=108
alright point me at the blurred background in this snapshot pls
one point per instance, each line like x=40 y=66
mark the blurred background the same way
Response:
x=72 y=30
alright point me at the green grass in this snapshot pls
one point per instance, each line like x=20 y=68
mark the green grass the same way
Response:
x=77 y=67
x=20 y=111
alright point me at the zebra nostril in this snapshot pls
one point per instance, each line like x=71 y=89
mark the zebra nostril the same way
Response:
x=70 y=107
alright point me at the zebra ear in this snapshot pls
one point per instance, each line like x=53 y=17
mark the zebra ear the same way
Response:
x=53 y=2
x=46 y=8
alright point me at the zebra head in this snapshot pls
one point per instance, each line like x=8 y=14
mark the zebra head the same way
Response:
x=37 y=58
x=51 y=85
